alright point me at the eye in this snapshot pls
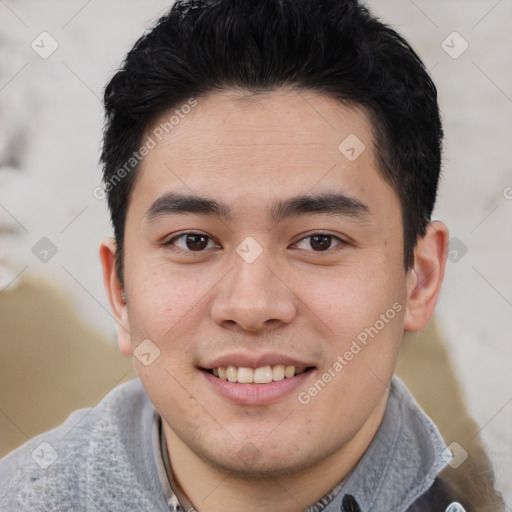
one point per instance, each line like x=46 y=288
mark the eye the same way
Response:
x=319 y=242
x=194 y=242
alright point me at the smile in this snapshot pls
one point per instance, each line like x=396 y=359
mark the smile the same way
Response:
x=261 y=375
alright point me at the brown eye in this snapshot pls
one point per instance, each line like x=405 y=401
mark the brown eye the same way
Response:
x=319 y=242
x=192 y=242
x=196 y=242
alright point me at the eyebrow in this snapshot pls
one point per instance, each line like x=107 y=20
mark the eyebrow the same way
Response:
x=327 y=203
x=173 y=203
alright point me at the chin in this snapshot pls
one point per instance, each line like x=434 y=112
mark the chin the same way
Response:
x=260 y=470
x=248 y=462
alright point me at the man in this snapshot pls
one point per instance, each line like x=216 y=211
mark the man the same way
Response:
x=271 y=168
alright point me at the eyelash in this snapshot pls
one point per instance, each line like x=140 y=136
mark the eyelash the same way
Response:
x=170 y=243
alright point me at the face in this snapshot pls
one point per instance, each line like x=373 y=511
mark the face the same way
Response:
x=264 y=264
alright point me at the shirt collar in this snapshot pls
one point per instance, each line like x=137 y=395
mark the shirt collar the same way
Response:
x=176 y=501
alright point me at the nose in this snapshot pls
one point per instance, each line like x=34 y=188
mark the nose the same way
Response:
x=254 y=297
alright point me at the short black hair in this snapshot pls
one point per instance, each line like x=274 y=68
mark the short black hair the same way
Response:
x=333 y=47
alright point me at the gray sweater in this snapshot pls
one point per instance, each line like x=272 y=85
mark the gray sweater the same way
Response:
x=109 y=458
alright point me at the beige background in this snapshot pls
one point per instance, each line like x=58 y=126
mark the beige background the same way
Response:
x=50 y=131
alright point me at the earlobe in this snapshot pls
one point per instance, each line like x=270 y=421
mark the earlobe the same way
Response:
x=116 y=294
x=425 y=278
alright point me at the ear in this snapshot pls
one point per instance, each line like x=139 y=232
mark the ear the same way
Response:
x=116 y=295
x=425 y=278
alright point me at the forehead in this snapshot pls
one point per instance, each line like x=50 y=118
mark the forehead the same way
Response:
x=282 y=143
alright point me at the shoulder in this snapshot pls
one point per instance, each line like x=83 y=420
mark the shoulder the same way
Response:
x=55 y=470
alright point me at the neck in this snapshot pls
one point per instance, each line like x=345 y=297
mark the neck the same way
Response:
x=213 y=490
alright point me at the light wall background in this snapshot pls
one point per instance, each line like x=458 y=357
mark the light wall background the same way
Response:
x=50 y=132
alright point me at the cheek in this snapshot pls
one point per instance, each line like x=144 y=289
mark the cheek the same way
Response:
x=363 y=311
x=157 y=305
x=154 y=305
x=167 y=306
x=158 y=294
x=349 y=300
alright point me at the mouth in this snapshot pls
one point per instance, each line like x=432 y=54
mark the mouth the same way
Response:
x=256 y=379
x=261 y=375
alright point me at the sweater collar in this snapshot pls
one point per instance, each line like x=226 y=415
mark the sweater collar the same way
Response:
x=400 y=464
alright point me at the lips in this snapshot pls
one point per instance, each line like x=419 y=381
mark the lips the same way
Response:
x=254 y=393
x=256 y=379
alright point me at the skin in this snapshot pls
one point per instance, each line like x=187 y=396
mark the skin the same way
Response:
x=247 y=152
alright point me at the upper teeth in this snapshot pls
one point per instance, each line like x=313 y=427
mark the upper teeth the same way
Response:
x=261 y=375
